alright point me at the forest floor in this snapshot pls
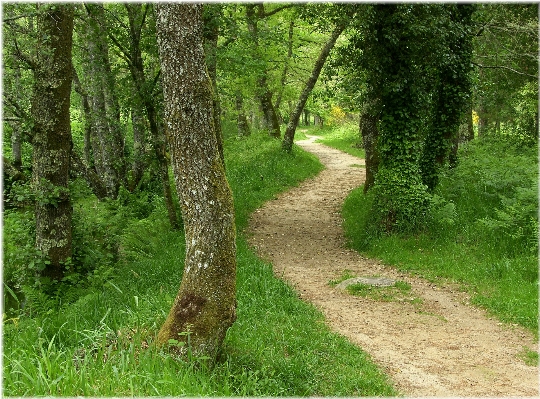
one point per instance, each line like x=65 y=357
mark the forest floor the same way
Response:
x=433 y=343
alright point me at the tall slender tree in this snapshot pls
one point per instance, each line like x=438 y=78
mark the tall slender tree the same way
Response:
x=107 y=138
x=206 y=302
x=310 y=84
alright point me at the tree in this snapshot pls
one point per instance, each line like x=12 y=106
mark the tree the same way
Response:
x=211 y=18
x=370 y=136
x=107 y=139
x=506 y=63
x=206 y=302
x=52 y=135
x=319 y=63
x=254 y=14
x=452 y=90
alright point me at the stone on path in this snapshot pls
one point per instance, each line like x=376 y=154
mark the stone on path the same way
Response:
x=375 y=281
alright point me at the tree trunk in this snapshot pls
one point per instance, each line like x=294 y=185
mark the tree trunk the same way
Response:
x=212 y=14
x=107 y=139
x=310 y=84
x=470 y=126
x=206 y=302
x=370 y=136
x=86 y=168
x=52 y=135
x=285 y=70
x=87 y=119
x=270 y=118
x=139 y=138
x=136 y=17
x=242 y=123
x=16 y=127
x=89 y=174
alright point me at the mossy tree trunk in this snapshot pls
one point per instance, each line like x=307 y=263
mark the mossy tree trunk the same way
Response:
x=241 y=120
x=52 y=135
x=206 y=302
x=139 y=163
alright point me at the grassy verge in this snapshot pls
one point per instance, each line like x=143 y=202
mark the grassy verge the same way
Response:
x=483 y=231
x=344 y=138
x=101 y=344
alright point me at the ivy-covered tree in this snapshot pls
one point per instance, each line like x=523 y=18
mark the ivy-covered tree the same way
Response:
x=409 y=69
x=452 y=89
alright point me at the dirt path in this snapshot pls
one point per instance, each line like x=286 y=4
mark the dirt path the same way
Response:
x=444 y=347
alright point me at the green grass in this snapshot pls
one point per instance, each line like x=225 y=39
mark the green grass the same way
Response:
x=399 y=291
x=345 y=138
x=483 y=232
x=102 y=343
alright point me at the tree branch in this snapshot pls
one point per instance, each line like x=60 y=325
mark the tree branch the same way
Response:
x=19 y=16
x=276 y=10
x=124 y=53
x=504 y=67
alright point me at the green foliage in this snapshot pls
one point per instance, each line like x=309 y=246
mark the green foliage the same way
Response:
x=21 y=260
x=495 y=189
x=400 y=201
x=481 y=231
x=100 y=237
x=505 y=54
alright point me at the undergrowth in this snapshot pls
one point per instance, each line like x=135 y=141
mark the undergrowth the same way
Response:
x=482 y=232
x=98 y=338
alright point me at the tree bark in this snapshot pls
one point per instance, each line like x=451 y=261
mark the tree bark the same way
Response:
x=85 y=103
x=470 y=126
x=285 y=70
x=107 y=140
x=16 y=127
x=310 y=84
x=139 y=138
x=211 y=36
x=52 y=135
x=270 y=118
x=370 y=135
x=206 y=302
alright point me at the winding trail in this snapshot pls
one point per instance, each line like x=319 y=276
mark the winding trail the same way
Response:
x=443 y=347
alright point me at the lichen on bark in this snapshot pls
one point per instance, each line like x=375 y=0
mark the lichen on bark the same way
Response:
x=51 y=134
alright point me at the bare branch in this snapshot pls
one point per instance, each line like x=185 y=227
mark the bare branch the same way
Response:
x=504 y=67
